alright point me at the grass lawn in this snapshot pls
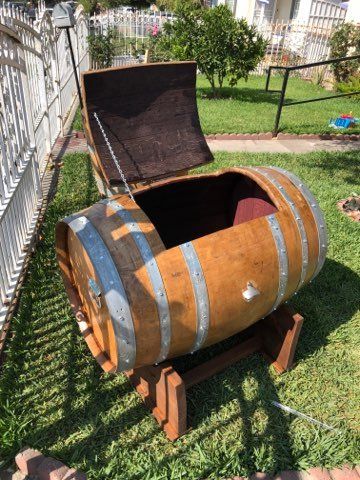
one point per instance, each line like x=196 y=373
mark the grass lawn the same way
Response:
x=53 y=395
x=247 y=108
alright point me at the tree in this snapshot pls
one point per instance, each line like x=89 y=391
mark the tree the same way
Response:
x=345 y=41
x=173 y=5
x=221 y=45
x=91 y=6
x=102 y=49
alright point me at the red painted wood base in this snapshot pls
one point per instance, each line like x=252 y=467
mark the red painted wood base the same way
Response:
x=164 y=390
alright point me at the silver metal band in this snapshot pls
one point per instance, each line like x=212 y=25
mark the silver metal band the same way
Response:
x=153 y=272
x=282 y=257
x=317 y=214
x=111 y=287
x=298 y=219
x=200 y=293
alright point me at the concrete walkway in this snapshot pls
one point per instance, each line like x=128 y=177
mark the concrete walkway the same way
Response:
x=282 y=146
x=293 y=145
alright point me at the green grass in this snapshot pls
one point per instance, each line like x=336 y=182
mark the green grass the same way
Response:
x=55 y=397
x=247 y=108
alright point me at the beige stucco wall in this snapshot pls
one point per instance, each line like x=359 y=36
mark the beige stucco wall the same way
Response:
x=245 y=9
x=353 y=11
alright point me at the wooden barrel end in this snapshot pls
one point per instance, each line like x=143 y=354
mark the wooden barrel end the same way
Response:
x=62 y=253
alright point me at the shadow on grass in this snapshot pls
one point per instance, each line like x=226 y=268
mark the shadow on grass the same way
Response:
x=246 y=95
x=329 y=302
x=78 y=403
x=347 y=163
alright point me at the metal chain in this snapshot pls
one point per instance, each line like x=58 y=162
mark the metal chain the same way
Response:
x=113 y=156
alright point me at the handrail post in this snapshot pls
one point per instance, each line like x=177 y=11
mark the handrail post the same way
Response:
x=281 y=103
x=268 y=79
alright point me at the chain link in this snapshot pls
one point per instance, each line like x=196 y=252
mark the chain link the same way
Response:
x=113 y=156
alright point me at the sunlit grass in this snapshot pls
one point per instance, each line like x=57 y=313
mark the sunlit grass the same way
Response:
x=55 y=397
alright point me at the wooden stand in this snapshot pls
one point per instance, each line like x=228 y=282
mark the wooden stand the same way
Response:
x=164 y=390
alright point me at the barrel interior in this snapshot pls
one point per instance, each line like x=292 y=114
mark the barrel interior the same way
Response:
x=194 y=207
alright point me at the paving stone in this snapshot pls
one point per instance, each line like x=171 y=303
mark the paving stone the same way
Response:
x=265 y=136
x=261 y=476
x=289 y=475
x=74 y=474
x=227 y=136
x=245 y=136
x=20 y=476
x=318 y=474
x=344 y=473
x=52 y=469
x=28 y=460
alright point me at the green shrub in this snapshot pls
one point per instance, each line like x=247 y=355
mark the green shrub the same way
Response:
x=172 y=5
x=352 y=85
x=102 y=49
x=221 y=45
x=345 y=41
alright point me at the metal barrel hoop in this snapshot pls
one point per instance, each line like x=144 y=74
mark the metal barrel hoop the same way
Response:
x=282 y=258
x=317 y=215
x=154 y=274
x=299 y=222
x=200 y=293
x=111 y=288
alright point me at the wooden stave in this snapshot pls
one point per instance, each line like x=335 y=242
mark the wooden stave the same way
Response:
x=163 y=257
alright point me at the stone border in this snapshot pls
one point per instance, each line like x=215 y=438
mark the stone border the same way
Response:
x=33 y=463
x=282 y=136
x=268 y=136
x=344 y=473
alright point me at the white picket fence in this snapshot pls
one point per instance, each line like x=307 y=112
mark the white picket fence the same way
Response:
x=37 y=94
x=132 y=31
x=294 y=44
x=288 y=43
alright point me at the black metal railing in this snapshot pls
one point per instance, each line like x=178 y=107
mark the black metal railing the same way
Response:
x=290 y=69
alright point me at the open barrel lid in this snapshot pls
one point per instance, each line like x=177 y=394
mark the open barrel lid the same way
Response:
x=149 y=115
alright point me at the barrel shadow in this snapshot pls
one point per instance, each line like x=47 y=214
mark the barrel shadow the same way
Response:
x=323 y=313
x=328 y=302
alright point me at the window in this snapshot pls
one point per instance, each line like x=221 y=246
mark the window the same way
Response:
x=264 y=11
x=294 y=9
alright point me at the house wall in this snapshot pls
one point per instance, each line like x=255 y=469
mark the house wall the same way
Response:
x=325 y=13
x=245 y=9
x=353 y=11
x=304 y=11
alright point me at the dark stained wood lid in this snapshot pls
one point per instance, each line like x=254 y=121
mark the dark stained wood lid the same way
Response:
x=150 y=116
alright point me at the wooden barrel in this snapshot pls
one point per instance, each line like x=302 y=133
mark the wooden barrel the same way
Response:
x=191 y=262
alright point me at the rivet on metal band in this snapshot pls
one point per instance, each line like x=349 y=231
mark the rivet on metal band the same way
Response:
x=282 y=258
x=112 y=289
x=317 y=214
x=200 y=293
x=153 y=272
x=298 y=220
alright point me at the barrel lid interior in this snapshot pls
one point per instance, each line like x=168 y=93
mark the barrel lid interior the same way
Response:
x=149 y=115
